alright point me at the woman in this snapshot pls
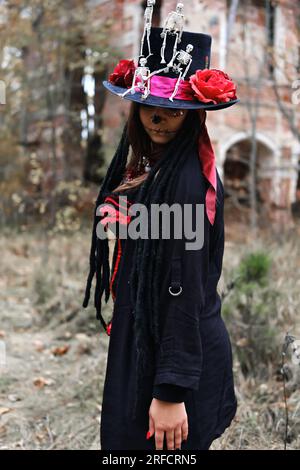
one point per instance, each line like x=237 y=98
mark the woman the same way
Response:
x=169 y=381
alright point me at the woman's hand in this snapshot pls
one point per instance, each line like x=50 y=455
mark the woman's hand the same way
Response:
x=169 y=418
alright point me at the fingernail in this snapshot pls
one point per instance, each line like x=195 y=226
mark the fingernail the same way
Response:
x=148 y=435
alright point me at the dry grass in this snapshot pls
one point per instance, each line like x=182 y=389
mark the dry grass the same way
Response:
x=50 y=397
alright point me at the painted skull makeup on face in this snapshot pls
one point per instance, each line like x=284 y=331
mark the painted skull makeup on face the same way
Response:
x=161 y=124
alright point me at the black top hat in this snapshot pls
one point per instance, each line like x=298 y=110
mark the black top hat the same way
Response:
x=200 y=87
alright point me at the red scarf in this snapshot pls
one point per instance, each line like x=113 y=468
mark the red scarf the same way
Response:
x=207 y=158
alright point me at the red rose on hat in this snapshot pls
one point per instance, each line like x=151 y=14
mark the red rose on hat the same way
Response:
x=123 y=73
x=212 y=86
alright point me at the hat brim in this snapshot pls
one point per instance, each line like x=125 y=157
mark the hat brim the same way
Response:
x=165 y=102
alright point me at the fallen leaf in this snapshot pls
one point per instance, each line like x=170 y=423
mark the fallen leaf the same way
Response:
x=13 y=398
x=40 y=382
x=242 y=342
x=60 y=350
x=281 y=405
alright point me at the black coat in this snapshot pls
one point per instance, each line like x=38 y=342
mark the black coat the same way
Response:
x=194 y=361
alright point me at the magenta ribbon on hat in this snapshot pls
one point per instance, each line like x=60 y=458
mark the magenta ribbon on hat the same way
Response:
x=164 y=87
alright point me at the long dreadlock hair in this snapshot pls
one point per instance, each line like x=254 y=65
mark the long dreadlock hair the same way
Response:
x=145 y=276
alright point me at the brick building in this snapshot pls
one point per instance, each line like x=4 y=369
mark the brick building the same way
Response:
x=259 y=49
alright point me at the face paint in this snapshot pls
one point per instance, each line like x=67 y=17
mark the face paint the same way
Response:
x=165 y=128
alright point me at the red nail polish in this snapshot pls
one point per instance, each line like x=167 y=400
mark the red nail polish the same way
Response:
x=148 y=435
x=108 y=328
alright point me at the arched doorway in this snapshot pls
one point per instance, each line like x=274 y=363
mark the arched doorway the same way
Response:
x=237 y=178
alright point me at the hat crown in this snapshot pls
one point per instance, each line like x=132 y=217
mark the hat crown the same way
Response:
x=200 y=52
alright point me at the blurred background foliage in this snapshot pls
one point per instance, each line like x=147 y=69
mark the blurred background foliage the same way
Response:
x=53 y=60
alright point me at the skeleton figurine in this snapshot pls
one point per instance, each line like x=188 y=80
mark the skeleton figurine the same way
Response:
x=173 y=25
x=183 y=61
x=143 y=73
x=147 y=26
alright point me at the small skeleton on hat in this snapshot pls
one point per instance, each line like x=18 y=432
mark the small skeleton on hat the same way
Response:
x=183 y=60
x=173 y=25
x=143 y=73
x=147 y=25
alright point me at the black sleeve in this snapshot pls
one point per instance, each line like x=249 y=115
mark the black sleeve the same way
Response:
x=169 y=392
x=178 y=363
